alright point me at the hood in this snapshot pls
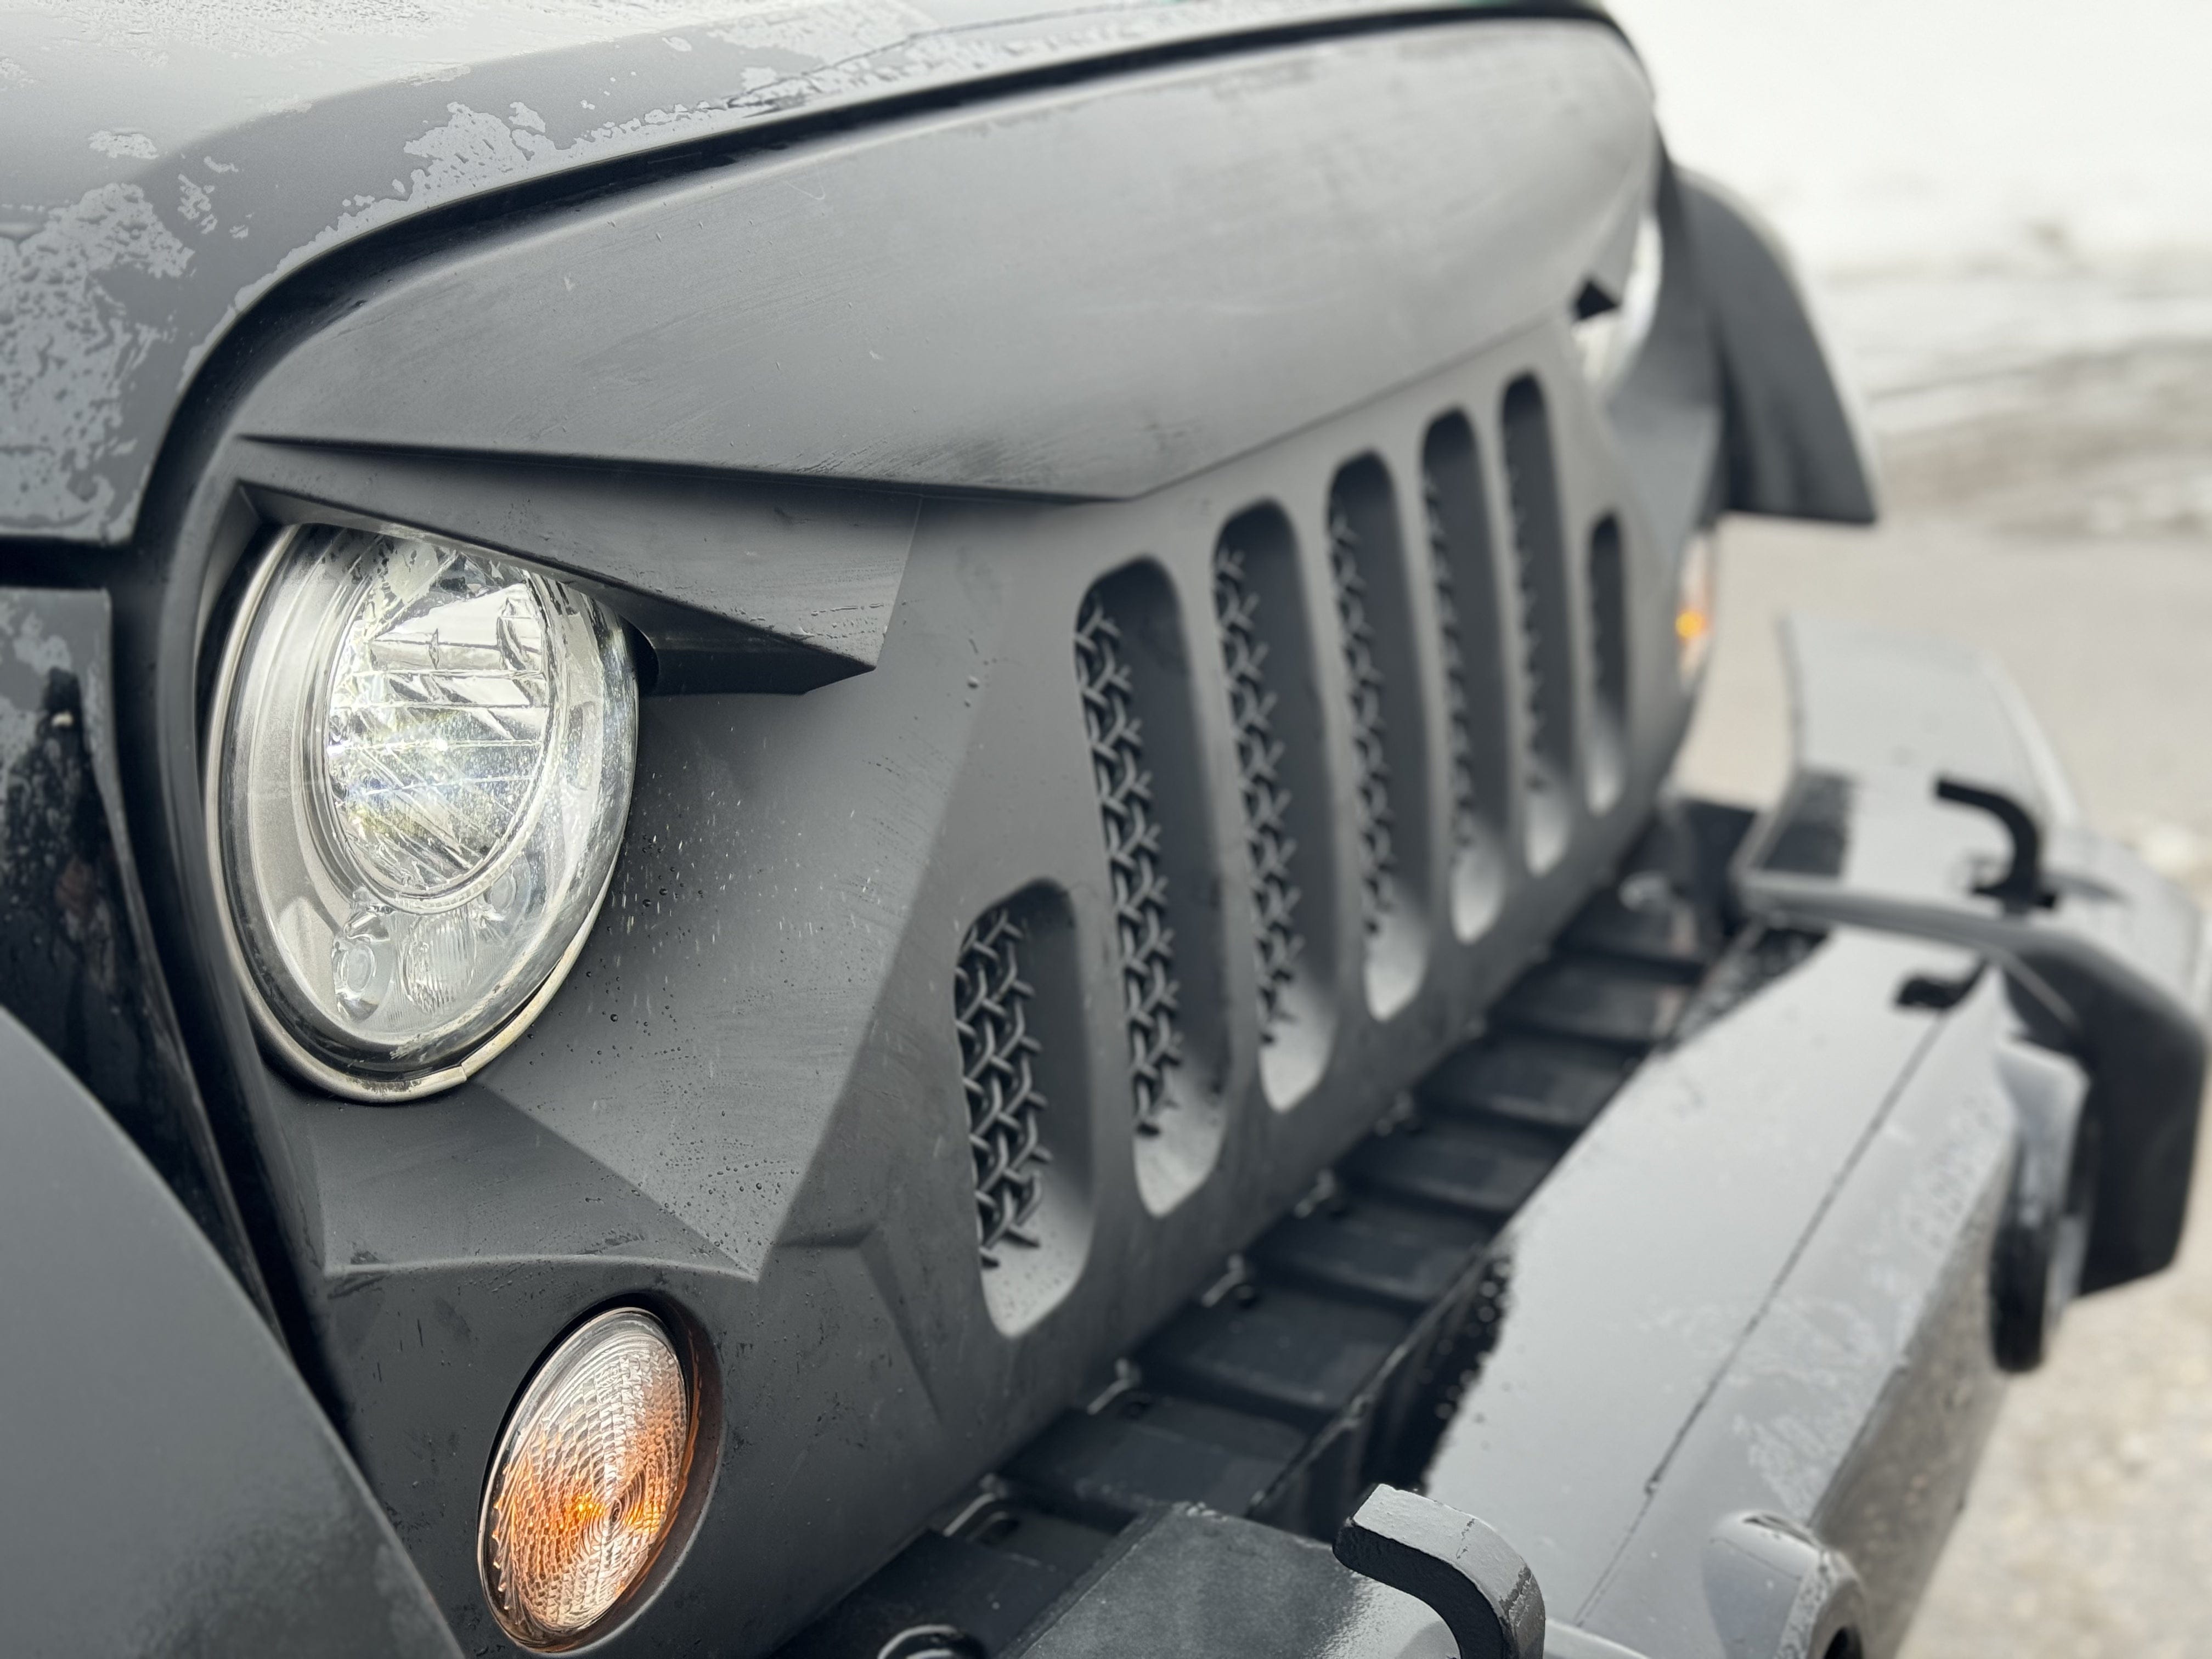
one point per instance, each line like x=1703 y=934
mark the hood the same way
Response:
x=166 y=165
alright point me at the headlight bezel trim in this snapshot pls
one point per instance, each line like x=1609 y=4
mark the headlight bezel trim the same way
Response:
x=267 y=559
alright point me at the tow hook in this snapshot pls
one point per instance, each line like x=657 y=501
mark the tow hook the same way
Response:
x=1774 y=1591
x=1471 y=1578
x=2021 y=888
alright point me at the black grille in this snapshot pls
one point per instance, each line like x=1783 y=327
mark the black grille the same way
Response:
x=1132 y=855
x=1268 y=846
x=1364 y=683
x=991 y=1013
x=1466 y=795
x=1335 y=1350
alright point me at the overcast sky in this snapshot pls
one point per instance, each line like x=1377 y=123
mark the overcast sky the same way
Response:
x=1931 y=132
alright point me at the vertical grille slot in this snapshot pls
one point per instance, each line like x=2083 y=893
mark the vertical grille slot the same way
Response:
x=1367 y=569
x=1547 y=662
x=1134 y=676
x=1266 y=650
x=998 y=1076
x=1150 y=993
x=1608 y=603
x=1469 y=628
x=1269 y=845
x=1018 y=1017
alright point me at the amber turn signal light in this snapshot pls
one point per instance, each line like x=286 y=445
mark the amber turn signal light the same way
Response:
x=1693 y=606
x=589 y=1472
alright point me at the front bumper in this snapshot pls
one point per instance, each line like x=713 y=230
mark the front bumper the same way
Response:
x=1742 y=1346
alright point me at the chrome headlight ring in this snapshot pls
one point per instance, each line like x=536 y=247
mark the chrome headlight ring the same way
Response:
x=419 y=764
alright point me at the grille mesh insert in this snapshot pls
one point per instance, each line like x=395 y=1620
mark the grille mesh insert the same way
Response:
x=1466 y=796
x=1268 y=845
x=1133 y=856
x=1364 y=681
x=991 y=1014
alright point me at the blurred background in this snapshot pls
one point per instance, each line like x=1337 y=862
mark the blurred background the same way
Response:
x=2004 y=208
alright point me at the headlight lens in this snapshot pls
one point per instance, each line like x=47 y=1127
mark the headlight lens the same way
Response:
x=423 y=758
x=586 y=1483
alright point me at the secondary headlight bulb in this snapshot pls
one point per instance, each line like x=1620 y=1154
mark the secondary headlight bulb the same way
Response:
x=423 y=757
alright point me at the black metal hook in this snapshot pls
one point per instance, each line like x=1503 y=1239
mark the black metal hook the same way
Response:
x=1473 y=1580
x=2021 y=888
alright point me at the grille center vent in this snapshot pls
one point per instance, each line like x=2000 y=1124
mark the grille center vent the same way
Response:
x=1269 y=846
x=1363 y=684
x=1469 y=619
x=1285 y=790
x=1466 y=796
x=1126 y=812
x=1546 y=636
x=1608 y=632
x=1392 y=774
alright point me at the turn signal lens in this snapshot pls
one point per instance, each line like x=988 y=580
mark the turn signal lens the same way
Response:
x=1693 y=606
x=588 y=1476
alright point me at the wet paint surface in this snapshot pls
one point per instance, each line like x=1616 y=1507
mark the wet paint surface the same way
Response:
x=75 y=965
x=166 y=168
x=251 y=1531
x=1736 y=1294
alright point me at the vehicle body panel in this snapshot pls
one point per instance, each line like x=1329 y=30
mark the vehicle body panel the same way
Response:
x=899 y=357
x=181 y=1490
x=1767 y=1240
x=919 y=306
x=744 y=1103
x=167 y=170
x=2112 y=953
x=78 y=966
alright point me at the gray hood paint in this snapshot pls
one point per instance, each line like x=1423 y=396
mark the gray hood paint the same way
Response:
x=166 y=166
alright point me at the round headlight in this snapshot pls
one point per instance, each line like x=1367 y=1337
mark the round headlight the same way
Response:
x=422 y=761
x=586 y=1483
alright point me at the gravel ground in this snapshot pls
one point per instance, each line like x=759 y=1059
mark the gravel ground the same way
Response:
x=2051 y=502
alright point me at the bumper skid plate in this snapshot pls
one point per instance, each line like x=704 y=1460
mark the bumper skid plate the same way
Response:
x=1926 y=802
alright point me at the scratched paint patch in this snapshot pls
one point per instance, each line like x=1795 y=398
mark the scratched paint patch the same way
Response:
x=137 y=146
